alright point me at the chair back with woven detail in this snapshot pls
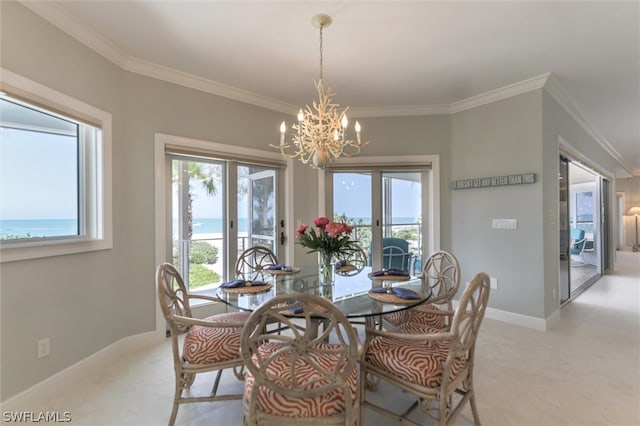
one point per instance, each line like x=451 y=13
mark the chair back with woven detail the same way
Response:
x=302 y=373
x=173 y=297
x=255 y=259
x=442 y=273
x=351 y=262
x=433 y=365
x=210 y=344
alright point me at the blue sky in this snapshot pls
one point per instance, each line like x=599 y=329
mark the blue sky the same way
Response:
x=352 y=196
x=38 y=175
x=45 y=167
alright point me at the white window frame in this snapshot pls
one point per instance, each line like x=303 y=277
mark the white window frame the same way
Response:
x=430 y=186
x=95 y=191
x=162 y=171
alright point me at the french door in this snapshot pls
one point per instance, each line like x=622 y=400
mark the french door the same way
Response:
x=220 y=208
x=261 y=208
x=384 y=206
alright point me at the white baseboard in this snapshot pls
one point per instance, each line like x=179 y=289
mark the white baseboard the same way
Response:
x=541 y=324
x=81 y=369
x=78 y=371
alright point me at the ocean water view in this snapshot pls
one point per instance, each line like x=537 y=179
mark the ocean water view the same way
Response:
x=12 y=228
x=214 y=225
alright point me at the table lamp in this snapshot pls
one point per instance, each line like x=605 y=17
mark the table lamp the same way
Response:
x=635 y=211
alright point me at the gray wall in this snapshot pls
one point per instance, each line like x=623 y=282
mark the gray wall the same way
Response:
x=502 y=138
x=85 y=302
x=630 y=187
x=557 y=122
x=77 y=300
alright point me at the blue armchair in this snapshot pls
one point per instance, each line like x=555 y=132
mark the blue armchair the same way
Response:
x=396 y=254
x=578 y=242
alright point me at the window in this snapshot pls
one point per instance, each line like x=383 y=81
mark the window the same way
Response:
x=54 y=169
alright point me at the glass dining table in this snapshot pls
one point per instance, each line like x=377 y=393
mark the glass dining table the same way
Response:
x=350 y=293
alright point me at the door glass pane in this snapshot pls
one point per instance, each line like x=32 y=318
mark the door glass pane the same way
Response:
x=584 y=214
x=197 y=199
x=402 y=219
x=352 y=203
x=563 y=222
x=256 y=207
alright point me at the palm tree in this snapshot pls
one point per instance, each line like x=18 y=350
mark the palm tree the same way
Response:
x=196 y=173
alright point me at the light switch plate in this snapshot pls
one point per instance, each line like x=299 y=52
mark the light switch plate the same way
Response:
x=504 y=223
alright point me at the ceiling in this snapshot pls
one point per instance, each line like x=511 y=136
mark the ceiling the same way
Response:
x=384 y=58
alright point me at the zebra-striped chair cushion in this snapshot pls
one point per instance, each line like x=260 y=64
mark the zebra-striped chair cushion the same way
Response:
x=418 y=362
x=209 y=345
x=422 y=315
x=329 y=404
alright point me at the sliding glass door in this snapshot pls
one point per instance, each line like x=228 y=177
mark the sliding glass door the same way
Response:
x=583 y=226
x=565 y=237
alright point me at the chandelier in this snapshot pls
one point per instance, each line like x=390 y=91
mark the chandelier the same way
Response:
x=320 y=135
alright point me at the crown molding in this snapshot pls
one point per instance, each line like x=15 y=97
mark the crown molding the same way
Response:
x=209 y=86
x=400 y=110
x=55 y=15
x=505 y=92
x=566 y=101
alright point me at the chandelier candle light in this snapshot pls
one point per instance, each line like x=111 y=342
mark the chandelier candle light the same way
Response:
x=320 y=133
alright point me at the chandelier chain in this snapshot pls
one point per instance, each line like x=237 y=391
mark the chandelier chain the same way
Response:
x=321 y=27
x=319 y=136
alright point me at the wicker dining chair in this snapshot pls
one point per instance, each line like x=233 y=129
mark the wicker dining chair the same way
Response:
x=211 y=344
x=351 y=262
x=255 y=259
x=434 y=365
x=442 y=273
x=300 y=376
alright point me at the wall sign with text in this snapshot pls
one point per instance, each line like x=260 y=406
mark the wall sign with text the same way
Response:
x=495 y=181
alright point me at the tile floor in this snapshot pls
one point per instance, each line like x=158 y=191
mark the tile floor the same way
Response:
x=586 y=371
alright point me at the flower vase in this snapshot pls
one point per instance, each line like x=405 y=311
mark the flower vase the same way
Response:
x=325 y=268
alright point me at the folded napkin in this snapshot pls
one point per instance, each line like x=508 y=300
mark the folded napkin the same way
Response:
x=391 y=271
x=342 y=263
x=402 y=293
x=242 y=283
x=279 y=267
x=297 y=309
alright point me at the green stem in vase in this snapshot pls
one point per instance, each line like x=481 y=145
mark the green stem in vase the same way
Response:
x=325 y=263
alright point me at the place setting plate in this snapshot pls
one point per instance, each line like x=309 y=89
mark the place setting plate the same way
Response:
x=389 y=297
x=294 y=270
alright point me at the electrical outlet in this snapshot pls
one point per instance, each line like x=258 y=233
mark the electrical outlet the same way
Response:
x=493 y=283
x=43 y=347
